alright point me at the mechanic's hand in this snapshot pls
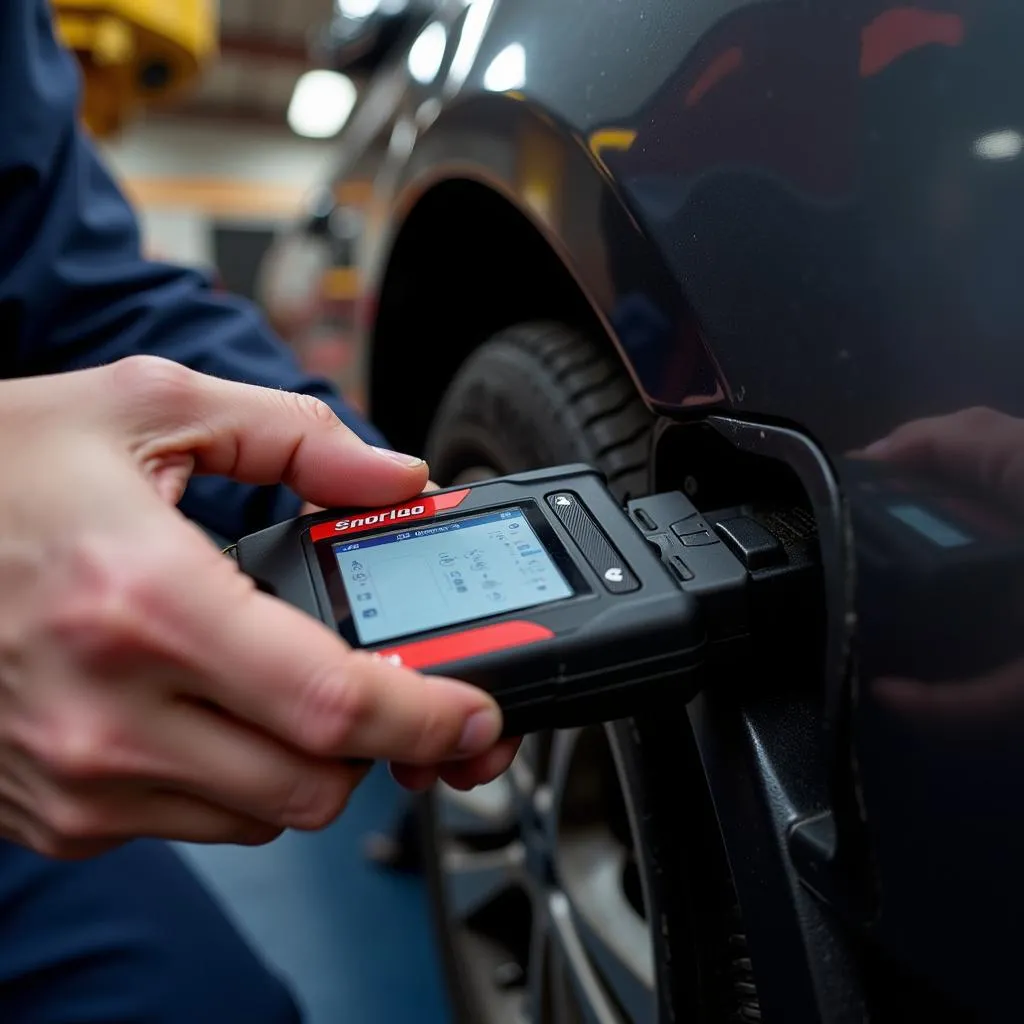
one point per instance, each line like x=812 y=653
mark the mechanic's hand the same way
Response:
x=146 y=687
x=463 y=774
x=979 y=447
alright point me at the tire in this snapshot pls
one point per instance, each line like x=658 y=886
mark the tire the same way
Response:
x=538 y=395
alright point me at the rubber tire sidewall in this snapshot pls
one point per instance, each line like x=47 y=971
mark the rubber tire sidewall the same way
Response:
x=512 y=408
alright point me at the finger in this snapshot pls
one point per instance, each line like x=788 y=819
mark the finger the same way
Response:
x=984 y=699
x=218 y=760
x=459 y=774
x=308 y=508
x=17 y=826
x=181 y=818
x=415 y=777
x=178 y=746
x=72 y=819
x=276 y=667
x=258 y=435
x=483 y=769
x=77 y=827
x=979 y=447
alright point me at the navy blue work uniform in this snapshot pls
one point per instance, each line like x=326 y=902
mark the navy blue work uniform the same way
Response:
x=129 y=936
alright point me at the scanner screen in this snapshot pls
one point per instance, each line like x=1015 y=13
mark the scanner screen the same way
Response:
x=417 y=580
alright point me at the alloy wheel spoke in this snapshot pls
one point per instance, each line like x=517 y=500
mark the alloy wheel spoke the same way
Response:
x=538 y=968
x=570 y=959
x=589 y=958
x=563 y=1001
x=486 y=810
x=475 y=878
x=591 y=867
x=563 y=747
x=524 y=773
x=585 y=949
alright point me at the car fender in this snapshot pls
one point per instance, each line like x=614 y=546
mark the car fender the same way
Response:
x=557 y=181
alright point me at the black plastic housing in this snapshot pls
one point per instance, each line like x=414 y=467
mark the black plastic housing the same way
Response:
x=611 y=649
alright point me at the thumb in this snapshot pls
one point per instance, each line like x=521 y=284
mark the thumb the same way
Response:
x=261 y=435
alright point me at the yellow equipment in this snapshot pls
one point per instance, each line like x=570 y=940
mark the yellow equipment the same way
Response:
x=135 y=53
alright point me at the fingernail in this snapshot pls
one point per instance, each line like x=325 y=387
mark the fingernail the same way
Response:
x=409 y=461
x=480 y=732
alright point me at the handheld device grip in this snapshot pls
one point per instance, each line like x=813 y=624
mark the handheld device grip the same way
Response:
x=540 y=589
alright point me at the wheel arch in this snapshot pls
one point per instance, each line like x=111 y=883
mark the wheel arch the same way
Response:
x=449 y=286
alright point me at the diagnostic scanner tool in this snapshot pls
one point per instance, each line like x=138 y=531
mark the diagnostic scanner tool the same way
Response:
x=539 y=587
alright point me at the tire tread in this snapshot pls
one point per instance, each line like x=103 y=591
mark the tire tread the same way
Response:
x=574 y=399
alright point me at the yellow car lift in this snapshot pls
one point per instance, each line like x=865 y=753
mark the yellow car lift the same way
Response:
x=135 y=53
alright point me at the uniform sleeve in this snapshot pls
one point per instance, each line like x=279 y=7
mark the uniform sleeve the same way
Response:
x=75 y=290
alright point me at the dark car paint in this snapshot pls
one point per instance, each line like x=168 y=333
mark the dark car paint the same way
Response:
x=811 y=212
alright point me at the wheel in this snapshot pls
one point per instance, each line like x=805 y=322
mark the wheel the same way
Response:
x=567 y=891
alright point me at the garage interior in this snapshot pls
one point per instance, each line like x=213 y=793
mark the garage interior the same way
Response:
x=756 y=265
x=219 y=178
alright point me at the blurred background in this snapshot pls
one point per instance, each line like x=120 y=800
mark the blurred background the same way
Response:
x=221 y=121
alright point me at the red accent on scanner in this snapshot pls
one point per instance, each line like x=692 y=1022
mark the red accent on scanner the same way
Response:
x=424 y=507
x=470 y=643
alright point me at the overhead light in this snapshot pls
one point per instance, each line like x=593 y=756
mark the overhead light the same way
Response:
x=427 y=113
x=507 y=71
x=403 y=138
x=1002 y=145
x=320 y=203
x=321 y=104
x=357 y=8
x=474 y=25
x=427 y=54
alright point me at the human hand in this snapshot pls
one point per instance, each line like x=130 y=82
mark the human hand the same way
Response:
x=308 y=507
x=978 y=448
x=463 y=774
x=146 y=687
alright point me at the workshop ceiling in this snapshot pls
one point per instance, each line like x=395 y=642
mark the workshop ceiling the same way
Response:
x=264 y=48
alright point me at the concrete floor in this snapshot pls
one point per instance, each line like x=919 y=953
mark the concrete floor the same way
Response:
x=356 y=942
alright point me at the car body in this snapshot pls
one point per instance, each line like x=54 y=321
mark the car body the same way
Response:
x=803 y=224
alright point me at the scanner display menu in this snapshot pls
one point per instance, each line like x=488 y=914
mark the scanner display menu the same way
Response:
x=400 y=584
